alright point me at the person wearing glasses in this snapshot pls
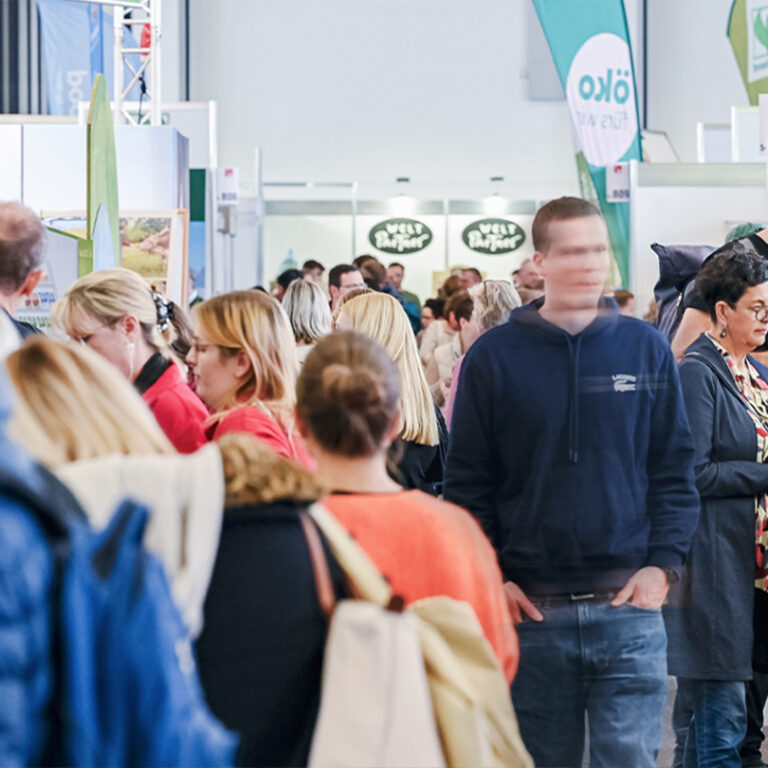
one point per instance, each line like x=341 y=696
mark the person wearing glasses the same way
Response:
x=721 y=598
x=244 y=364
x=116 y=314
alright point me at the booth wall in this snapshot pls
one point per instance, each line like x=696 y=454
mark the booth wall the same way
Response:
x=343 y=90
x=692 y=73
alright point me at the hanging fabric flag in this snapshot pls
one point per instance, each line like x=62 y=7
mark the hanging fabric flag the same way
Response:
x=76 y=39
x=748 y=34
x=589 y=41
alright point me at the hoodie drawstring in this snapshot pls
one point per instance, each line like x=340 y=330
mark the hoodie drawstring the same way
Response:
x=574 y=353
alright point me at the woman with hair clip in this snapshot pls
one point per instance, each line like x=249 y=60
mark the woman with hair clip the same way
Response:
x=243 y=361
x=348 y=411
x=419 y=453
x=115 y=313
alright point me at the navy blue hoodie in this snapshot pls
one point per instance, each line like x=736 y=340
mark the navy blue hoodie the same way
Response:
x=574 y=452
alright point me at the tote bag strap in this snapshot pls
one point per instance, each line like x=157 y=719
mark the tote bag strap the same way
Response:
x=364 y=576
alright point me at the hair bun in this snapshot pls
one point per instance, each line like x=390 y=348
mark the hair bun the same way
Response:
x=356 y=390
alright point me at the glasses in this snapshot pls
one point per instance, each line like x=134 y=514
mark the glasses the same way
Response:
x=760 y=312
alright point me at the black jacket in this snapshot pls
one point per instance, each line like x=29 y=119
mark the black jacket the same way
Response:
x=25 y=330
x=709 y=619
x=261 y=649
x=420 y=467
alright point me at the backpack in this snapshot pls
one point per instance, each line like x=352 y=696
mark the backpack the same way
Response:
x=125 y=688
x=376 y=660
x=678 y=267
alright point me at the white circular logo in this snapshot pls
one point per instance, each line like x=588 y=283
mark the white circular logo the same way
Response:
x=601 y=95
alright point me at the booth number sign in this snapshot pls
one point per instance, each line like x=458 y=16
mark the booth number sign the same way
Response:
x=493 y=236
x=400 y=236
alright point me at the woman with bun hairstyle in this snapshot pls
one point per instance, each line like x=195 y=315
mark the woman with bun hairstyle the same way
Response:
x=348 y=411
x=244 y=363
x=115 y=313
x=419 y=453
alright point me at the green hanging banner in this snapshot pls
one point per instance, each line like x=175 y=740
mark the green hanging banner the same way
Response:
x=748 y=34
x=589 y=41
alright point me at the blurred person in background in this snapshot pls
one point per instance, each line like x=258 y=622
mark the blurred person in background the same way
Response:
x=625 y=300
x=745 y=238
x=375 y=275
x=722 y=594
x=309 y=314
x=527 y=295
x=342 y=301
x=527 y=276
x=458 y=309
x=342 y=279
x=431 y=311
x=312 y=270
x=591 y=507
x=395 y=275
x=22 y=251
x=348 y=410
x=419 y=454
x=439 y=331
x=244 y=365
x=492 y=303
x=115 y=313
x=284 y=279
x=469 y=277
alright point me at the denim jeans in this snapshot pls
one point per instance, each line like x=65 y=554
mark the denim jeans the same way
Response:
x=587 y=657
x=757 y=694
x=719 y=723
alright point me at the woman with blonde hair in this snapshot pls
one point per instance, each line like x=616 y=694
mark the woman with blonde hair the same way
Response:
x=244 y=365
x=77 y=415
x=309 y=314
x=423 y=436
x=72 y=405
x=349 y=402
x=115 y=313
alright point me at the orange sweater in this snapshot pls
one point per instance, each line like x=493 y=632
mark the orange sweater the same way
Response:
x=427 y=547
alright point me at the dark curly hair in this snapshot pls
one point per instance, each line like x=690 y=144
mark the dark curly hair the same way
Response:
x=727 y=276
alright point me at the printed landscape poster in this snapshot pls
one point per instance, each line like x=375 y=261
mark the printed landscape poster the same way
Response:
x=153 y=243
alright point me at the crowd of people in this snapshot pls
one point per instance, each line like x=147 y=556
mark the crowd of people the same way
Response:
x=526 y=447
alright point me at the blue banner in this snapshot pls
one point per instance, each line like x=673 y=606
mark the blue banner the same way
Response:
x=76 y=39
x=590 y=45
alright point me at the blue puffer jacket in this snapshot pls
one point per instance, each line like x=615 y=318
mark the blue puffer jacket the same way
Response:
x=26 y=572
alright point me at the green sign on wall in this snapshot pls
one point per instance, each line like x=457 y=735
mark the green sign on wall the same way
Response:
x=493 y=236
x=400 y=236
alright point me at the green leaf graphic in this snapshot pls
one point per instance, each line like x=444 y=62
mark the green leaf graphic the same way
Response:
x=761 y=31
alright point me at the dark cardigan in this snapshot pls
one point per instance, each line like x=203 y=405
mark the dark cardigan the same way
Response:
x=709 y=620
x=261 y=649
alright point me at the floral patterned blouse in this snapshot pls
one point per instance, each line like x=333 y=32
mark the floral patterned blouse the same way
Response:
x=755 y=391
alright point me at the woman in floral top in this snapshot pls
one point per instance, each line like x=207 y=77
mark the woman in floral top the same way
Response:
x=721 y=598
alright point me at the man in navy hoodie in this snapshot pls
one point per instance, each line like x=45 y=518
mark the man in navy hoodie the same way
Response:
x=571 y=446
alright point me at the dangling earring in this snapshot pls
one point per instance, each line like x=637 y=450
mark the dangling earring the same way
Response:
x=723 y=333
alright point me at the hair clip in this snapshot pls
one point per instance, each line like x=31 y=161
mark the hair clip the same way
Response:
x=163 y=312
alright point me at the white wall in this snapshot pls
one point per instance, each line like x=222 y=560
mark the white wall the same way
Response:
x=367 y=90
x=692 y=72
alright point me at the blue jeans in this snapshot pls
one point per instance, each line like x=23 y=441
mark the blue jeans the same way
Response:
x=587 y=657
x=718 y=725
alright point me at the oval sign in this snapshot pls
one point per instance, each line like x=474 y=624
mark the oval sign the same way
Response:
x=493 y=236
x=400 y=236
